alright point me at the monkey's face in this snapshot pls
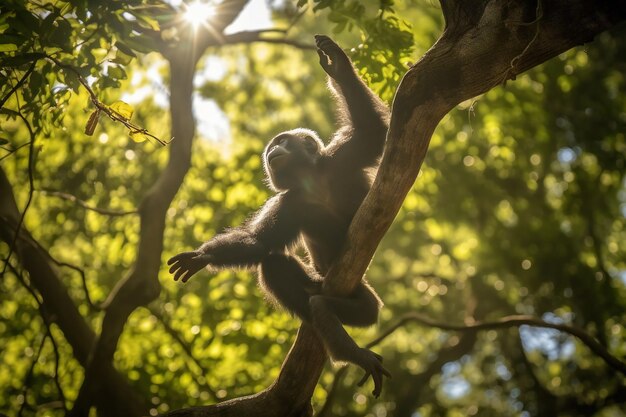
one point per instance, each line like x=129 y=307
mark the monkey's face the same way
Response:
x=290 y=158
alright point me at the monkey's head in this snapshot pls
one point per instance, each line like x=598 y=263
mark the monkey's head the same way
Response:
x=290 y=158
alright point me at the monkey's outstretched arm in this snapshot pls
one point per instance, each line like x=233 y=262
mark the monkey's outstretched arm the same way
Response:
x=365 y=109
x=270 y=229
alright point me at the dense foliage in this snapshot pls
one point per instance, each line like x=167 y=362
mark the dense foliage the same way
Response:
x=519 y=209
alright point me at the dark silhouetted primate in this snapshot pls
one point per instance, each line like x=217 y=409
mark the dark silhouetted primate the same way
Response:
x=318 y=190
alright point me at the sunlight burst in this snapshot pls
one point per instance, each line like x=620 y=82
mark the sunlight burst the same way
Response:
x=198 y=13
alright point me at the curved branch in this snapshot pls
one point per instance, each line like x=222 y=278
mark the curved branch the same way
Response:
x=29 y=375
x=117 y=397
x=18 y=84
x=55 y=347
x=461 y=65
x=140 y=286
x=251 y=36
x=185 y=347
x=101 y=107
x=86 y=206
x=512 y=321
x=12 y=151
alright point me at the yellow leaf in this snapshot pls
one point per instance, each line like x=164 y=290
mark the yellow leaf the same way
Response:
x=154 y=25
x=138 y=136
x=124 y=110
x=8 y=47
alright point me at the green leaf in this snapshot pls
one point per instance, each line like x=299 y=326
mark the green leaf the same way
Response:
x=139 y=44
x=125 y=48
x=61 y=35
x=9 y=112
x=35 y=82
x=18 y=60
x=8 y=47
x=116 y=72
x=3 y=141
x=47 y=24
x=72 y=81
x=149 y=22
x=123 y=109
x=122 y=58
x=99 y=53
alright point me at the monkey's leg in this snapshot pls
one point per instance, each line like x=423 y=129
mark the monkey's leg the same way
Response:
x=360 y=309
x=285 y=279
x=330 y=313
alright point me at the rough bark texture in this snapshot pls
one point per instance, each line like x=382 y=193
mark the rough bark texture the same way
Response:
x=484 y=44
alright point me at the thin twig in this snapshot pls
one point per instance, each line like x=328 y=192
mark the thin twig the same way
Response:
x=48 y=334
x=505 y=322
x=94 y=306
x=296 y=18
x=249 y=36
x=29 y=375
x=113 y=115
x=57 y=358
x=85 y=205
x=12 y=151
x=332 y=392
x=83 y=279
x=185 y=346
x=511 y=321
x=18 y=84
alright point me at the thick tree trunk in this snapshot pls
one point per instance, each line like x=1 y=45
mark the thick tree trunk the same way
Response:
x=485 y=43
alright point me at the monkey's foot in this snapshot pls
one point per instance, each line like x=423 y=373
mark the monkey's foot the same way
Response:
x=372 y=364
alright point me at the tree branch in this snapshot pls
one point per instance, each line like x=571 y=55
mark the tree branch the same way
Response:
x=86 y=206
x=257 y=36
x=117 y=398
x=46 y=321
x=461 y=65
x=513 y=321
x=29 y=375
x=186 y=348
x=18 y=84
x=141 y=286
x=12 y=151
x=101 y=107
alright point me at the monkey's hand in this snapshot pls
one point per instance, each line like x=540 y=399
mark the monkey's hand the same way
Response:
x=332 y=58
x=185 y=264
x=372 y=363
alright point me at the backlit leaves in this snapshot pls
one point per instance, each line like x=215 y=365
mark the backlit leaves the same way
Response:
x=138 y=136
x=123 y=109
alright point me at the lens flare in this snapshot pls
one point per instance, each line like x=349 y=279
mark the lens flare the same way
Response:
x=198 y=13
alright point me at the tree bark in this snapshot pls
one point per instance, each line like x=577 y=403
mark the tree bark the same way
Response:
x=484 y=44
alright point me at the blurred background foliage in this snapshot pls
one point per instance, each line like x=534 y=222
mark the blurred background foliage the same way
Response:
x=519 y=209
